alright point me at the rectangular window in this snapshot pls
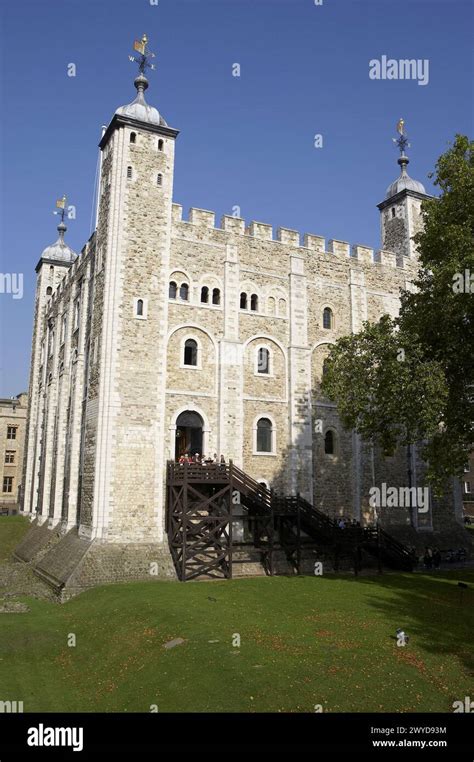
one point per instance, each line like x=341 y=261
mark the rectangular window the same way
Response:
x=8 y=484
x=11 y=432
x=467 y=488
x=10 y=456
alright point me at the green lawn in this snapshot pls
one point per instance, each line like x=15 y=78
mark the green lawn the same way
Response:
x=12 y=529
x=304 y=641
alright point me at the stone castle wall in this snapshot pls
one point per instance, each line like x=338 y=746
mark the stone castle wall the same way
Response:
x=108 y=392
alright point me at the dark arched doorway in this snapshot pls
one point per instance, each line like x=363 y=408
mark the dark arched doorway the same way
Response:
x=188 y=434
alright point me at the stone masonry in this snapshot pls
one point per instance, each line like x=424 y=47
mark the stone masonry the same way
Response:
x=110 y=376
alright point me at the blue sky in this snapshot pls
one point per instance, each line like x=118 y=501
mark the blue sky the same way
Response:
x=245 y=141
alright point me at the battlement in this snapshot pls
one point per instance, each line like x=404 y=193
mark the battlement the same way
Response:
x=203 y=218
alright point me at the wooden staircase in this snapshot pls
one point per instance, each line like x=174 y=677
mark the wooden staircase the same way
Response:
x=201 y=523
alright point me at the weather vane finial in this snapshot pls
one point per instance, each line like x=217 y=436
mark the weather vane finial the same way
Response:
x=141 y=46
x=402 y=141
x=61 y=207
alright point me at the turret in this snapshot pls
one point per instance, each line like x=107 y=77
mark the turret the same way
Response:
x=400 y=212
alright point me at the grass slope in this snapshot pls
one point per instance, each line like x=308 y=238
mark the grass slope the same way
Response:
x=304 y=641
x=12 y=529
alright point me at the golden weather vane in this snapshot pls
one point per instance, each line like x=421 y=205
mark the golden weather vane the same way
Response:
x=141 y=46
x=61 y=207
x=402 y=141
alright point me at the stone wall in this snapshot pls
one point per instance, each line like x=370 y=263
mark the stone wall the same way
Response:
x=107 y=393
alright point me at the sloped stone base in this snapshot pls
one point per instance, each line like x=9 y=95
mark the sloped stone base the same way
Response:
x=70 y=564
x=59 y=564
x=37 y=541
x=113 y=562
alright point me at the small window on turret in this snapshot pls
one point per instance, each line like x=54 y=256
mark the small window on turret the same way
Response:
x=159 y=179
x=140 y=308
x=160 y=145
x=129 y=173
x=329 y=443
x=393 y=211
x=328 y=319
x=133 y=137
x=49 y=291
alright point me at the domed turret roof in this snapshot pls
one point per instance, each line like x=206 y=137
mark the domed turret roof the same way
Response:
x=404 y=182
x=60 y=251
x=139 y=108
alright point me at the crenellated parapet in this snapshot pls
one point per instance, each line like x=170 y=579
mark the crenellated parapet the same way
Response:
x=307 y=242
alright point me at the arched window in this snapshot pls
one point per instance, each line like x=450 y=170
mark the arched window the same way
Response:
x=173 y=290
x=327 y=318
x=264 y=435
x=216 y=296
x=129 y=173
x=49 y=291
x=329 y=443
x=133 y=137
x=263 y=360
x=282 y=307
x=205 y=295
x=159 y=179
x=184 y=292
x=271 y=305
x=160 y=145
x=190 y=352
x=243 y=301
x=254 y=303
x=140 y=307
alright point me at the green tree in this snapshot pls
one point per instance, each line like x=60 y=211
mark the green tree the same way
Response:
x=412 y=379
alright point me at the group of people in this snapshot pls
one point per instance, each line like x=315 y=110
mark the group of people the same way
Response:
x=432 y=558
x=343 y=523
x=203 y=460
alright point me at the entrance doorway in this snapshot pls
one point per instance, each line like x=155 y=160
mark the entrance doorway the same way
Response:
x=188 y=434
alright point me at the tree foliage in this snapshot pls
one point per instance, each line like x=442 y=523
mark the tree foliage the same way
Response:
x=412 y=379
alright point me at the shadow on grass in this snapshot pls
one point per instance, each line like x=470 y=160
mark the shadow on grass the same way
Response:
x=436 y=613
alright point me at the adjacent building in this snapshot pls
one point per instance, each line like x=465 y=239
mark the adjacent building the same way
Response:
x=13 y=414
